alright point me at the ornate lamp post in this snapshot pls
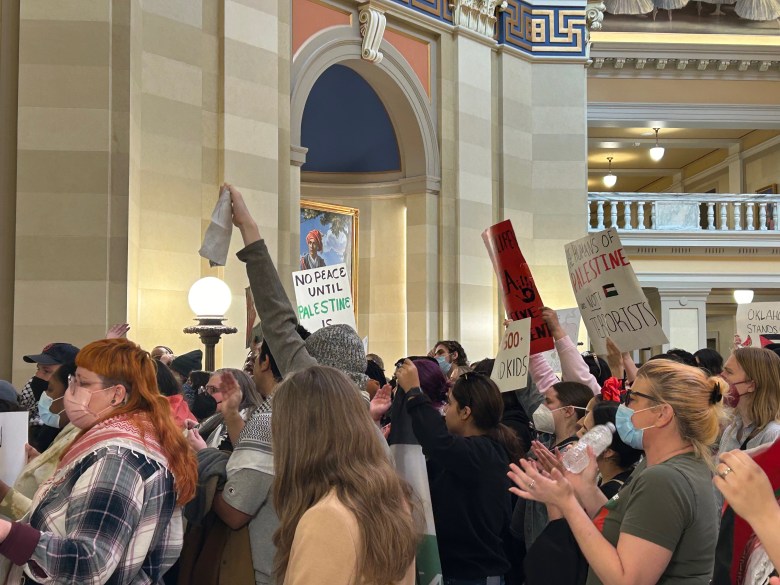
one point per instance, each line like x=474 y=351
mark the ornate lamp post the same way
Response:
x=209 y=299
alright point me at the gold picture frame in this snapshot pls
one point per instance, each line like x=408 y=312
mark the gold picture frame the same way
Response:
x=339 y=244
x=768 y=190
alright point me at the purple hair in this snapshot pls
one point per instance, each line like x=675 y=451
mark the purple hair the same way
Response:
x=432 y=381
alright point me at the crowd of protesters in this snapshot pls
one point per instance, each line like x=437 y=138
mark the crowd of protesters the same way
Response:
x=143 y=468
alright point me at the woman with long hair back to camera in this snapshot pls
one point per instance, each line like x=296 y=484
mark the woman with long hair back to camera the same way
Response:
x=345 y=517
x=662 y=527
x=111 y=512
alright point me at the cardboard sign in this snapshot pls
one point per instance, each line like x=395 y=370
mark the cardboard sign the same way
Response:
x=521 y=299
x=609 y=296
x=570 y=320
x=758 y=324
x=13 y=436
x=510 y=372
x=251 y=316
x=324 y=297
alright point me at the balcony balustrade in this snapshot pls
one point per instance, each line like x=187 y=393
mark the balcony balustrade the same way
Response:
x=684 y=212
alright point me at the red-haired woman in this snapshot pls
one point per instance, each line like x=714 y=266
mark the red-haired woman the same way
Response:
x=112 y=509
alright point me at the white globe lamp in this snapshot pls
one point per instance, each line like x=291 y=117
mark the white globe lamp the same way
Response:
x=209 y=297
x=609 y=179
x=657 y=152
x=743 y=296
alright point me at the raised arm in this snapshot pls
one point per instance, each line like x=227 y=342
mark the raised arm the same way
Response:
x=273 y=307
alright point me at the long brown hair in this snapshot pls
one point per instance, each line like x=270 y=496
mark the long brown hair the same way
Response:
x=762 y=366
x=323 y=440
x=120 y=361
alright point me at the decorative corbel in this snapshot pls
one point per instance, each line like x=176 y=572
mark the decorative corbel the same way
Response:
x=594 y=15
x=372 y=29
x=477 y=15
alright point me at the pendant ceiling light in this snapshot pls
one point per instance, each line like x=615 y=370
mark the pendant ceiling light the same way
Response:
x=657 y=152
x=610 y=179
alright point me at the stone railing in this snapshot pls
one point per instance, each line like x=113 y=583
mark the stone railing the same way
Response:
x=684 y=212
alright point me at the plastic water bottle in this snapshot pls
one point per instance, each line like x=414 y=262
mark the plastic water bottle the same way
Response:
x=598 y=438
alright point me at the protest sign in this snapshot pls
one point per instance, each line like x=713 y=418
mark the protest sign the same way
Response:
x=13 y=436
x=521 y=299
x=251 y=316
x=609 y=296
x=570 y=320
x=758 y=324
x=510 y=371
x=324 y=297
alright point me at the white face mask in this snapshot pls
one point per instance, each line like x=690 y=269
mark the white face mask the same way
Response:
x=49 y=418
x=543 y=418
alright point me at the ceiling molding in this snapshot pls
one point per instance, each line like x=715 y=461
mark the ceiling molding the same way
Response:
x=648 y=172
x=668 y=280
x=705 y=143
x=723 y=116
x=684 y=60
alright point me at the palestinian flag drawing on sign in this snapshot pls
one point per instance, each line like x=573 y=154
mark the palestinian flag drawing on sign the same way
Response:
x=410 y=464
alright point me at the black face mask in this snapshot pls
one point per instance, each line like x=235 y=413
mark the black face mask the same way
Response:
x=203 y=406
x=38 y=387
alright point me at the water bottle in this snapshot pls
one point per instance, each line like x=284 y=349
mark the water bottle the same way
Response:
x=598 y=438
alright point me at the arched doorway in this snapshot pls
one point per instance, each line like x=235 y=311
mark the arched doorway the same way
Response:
x=371 y=134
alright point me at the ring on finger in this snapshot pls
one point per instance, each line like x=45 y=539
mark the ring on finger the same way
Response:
x=725 y=472
x=532 y=484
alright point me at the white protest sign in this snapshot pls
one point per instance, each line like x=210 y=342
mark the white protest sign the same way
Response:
x=13 y=436
x=758 y=324
x=510 y=371
x=324 y=297
x=570 y=320
x=609 y=296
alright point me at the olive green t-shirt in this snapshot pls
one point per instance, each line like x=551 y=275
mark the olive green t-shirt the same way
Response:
x=672 y=505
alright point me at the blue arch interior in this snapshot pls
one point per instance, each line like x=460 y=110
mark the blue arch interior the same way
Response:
x=346 y=128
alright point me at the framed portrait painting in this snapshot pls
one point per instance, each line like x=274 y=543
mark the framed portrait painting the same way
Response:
x=329 y=235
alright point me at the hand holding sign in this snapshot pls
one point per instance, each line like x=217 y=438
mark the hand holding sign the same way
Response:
x=520 y=296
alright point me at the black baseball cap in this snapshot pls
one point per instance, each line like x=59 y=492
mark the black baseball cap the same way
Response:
x=54 y=354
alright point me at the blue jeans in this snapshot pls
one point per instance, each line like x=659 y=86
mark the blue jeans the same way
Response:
x=479 y=581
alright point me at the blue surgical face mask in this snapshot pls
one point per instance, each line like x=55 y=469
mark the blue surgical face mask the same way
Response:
x=444 y=365
x=48 y=418
x=628 y=433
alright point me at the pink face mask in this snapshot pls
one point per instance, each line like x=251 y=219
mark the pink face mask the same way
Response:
x=76 y=402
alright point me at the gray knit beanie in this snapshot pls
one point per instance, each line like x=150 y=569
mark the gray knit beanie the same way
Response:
x=340 y=347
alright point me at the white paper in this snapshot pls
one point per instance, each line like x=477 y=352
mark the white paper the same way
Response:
x=609 y=296
x=216 y=242
x=13 y=436
x=510 y=371
x=757 y=320
x=324 y=297
x=570 y=320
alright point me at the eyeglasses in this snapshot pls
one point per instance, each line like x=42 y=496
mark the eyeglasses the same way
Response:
x=211 y=390
x=631 y=393
x=73 y=382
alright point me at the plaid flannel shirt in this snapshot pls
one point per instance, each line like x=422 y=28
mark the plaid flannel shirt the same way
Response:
x=112 y=519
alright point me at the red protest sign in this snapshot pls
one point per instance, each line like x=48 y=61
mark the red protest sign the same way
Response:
x=519 y=293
